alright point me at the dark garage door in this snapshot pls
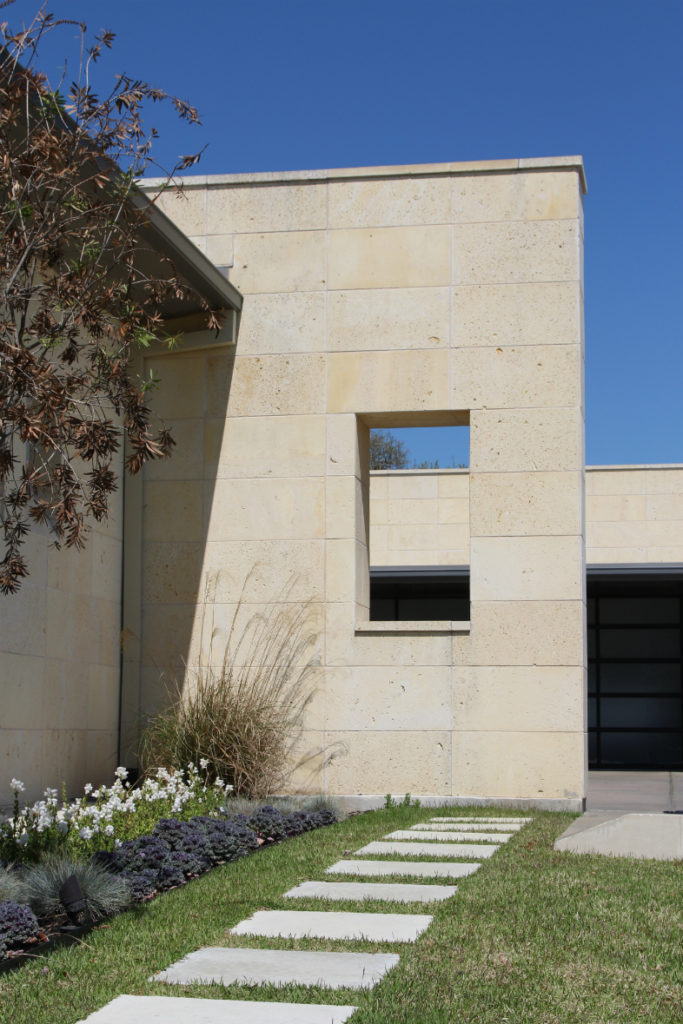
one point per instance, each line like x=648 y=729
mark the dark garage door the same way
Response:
x=635 y=681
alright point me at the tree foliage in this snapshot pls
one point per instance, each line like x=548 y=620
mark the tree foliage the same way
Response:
x=75 y=299
x=386 y=451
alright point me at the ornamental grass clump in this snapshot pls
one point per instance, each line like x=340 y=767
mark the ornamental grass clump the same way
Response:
x=242 y=713
x=11 y=884
x=104 y=893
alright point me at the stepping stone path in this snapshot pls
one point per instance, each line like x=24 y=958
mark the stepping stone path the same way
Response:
x=453 y=837
x=459 y=837
x=455 y=826
x=408 y=868
x=478 y=821
x=226 y=966
x=168 y=1010
x=431 y=849
x=372 y=891
x=331 y=924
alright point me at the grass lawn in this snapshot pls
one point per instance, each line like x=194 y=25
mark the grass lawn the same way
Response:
x=534 y=937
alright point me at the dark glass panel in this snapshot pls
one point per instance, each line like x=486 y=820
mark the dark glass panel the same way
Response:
x=639 y=611
x=640 y=678
x=640 y=643
x=641 y=748
x=592 y=713
x=640 y=712
x=382 y=609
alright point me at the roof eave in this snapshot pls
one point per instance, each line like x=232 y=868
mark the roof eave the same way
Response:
x=199 y=272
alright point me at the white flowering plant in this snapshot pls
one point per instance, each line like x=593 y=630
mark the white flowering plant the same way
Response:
x=103 y=817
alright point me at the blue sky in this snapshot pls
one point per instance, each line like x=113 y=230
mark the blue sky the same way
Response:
x=293 y=84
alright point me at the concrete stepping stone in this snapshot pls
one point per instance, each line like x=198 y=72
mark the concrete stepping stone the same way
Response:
x=396 y=891
x=172 y=1010
x=331 y=924
x=458 y=837
x=430 y=849
x=278 y=967
x=457 y=826
x=414 y=868
x=499 y=820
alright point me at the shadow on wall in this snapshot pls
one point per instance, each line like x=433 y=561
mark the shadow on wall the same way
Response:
x=168 y=515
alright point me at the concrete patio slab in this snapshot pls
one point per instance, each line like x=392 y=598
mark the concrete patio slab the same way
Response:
x=634 y=791
x=457 y=826
x=279 y=967
x=172 y=1010
x=414 y=868
x=430 y=849
x=459 y=837
x=395 y=892
x=655 y=836
x=321 y=924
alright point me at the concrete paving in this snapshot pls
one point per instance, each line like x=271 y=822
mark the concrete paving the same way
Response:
x=459 y=837
x=395 y=892
x=634 y=791
x=430 y=849
x=477 y=821
x=655 y=836
x=409 y=868
x=321 y=924
x=279 y=967
x=457 y=826
x=172 y=1010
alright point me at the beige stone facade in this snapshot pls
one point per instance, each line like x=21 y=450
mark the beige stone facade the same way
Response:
x=59 y=663
x=394 y=296
x=409 y=296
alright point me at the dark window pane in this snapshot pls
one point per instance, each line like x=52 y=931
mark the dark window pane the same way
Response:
x=641 y=748
x=382 y=609
x=592 y=714
x=639 y=611
x=592 y=677
x=592 y=645
x=640 y=712
x=640 y=643
x=592 y=747
x=634 y=678
x=421 y=608
x=591 y=611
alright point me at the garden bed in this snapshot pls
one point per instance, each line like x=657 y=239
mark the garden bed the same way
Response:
x=67 y=877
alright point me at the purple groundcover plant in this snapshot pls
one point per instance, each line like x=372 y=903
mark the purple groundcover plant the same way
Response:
x=228 y=839
x=142 y=884
x=186 y=836
x=268 y=823
x=18 y=924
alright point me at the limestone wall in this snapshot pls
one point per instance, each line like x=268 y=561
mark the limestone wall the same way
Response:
x=420 y=517
x=439 y=295
x=634 y=514
x=59 y=664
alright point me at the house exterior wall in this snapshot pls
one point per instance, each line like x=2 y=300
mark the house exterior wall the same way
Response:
x=59 y=663
x=386 y=297
x=420 y=517
x=634 y=514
